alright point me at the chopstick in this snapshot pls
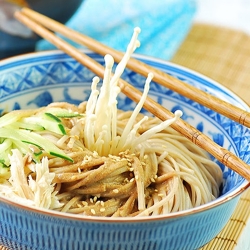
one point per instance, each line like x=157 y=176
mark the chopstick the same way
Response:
x=204 y=98
x=223 y=155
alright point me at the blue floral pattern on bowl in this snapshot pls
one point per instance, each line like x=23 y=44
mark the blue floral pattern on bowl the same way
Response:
x=36 y=80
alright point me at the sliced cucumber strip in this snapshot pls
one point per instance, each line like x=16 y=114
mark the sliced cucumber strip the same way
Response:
x=64 y=113
x=14 y=116
x=30 y=137
x=28 y=126
x=47 y=124
x=52 y=117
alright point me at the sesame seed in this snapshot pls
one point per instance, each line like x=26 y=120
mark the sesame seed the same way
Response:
x=102 y=203
x=152 y=180
x=85 y=203
x=91 y=200
x=116 y=158
x=95 y=154
x=102 y=209
x=116 y=191
x=92 y=211
x=131 y=180
x=136 y=177
x=88 y=158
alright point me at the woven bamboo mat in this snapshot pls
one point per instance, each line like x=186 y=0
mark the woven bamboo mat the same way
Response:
x=220 y=53
x=223 y=55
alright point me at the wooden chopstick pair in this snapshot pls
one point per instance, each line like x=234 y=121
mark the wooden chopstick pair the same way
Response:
x=204 y=98
x=45 y=27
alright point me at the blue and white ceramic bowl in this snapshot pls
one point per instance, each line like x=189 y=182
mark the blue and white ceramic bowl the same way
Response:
x=34 y=80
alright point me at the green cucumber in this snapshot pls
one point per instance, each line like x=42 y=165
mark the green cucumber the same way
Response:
x=2 y=164
x=52 y=117
x=47 y=124
x=62 y=128
x=28 y=126
x=14 y=116
x=64 y=113
x=30 y=137
x=5 y=144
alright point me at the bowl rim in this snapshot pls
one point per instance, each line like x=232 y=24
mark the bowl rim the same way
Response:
x=217 y=202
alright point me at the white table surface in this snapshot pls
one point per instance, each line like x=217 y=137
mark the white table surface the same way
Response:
x=233 y=14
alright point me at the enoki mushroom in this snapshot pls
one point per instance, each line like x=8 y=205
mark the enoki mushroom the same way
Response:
x=96 y=160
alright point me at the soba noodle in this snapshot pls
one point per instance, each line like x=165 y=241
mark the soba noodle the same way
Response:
x=96 y=160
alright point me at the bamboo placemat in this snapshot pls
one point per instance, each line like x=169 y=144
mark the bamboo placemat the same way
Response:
x=223 y=55
x=220 y=53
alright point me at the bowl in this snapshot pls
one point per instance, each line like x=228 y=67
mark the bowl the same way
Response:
x=13 y=44
x=37 y=79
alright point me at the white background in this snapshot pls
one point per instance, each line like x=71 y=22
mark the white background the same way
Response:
x=234 y=14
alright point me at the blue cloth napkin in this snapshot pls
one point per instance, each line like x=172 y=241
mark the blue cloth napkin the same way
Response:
x=164 y=24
